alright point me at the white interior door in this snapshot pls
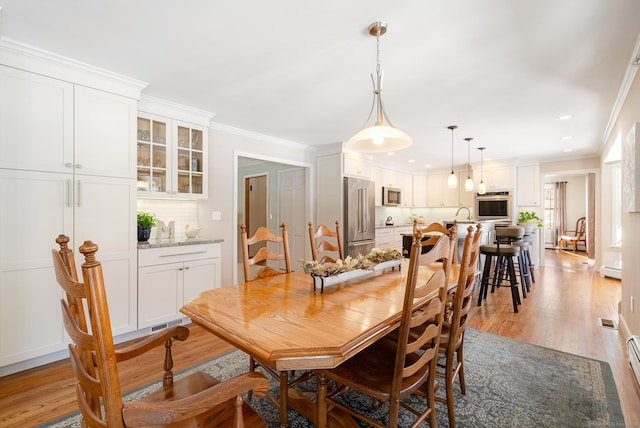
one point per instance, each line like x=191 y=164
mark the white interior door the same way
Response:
x=292 y=197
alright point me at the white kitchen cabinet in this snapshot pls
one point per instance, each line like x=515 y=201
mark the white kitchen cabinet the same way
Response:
x=419 y=191
x=376 y=176
x=66 y=166
x=397 y=235
x=171 y=158
x=54 y=126
x=356 y=166
x=466 y=199
x=168 y=277
x=384 y=237
x=497 y=178
x=406 y=186
x=528 y=186
x=438 y=192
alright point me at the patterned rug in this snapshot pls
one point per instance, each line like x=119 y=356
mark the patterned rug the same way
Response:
x=509 y=384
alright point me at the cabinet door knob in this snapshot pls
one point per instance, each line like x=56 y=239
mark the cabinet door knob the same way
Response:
x=68 y=165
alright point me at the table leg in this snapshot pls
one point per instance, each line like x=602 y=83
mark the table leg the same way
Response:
x=284 y=408
x=321 y=383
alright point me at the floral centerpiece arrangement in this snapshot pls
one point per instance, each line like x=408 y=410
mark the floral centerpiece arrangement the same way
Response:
x=368 y=262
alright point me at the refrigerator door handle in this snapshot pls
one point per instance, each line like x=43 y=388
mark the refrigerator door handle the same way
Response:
x=365 y=204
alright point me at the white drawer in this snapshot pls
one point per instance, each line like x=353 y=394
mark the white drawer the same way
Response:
x=181 y=253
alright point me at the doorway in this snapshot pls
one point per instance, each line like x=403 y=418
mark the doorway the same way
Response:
x=255 y=207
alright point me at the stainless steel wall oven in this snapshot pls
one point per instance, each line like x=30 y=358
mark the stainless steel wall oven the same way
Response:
x=493 y=206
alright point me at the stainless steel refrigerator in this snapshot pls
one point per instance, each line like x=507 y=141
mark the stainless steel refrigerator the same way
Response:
x=359 y=216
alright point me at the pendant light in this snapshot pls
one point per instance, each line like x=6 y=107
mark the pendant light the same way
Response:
x=482 y=188
x=452 y=181
x=382 y=136
x=468 y=183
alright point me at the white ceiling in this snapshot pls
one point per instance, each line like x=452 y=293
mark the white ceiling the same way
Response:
x=502 y=70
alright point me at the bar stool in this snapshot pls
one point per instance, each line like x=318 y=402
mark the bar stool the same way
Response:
x=514 y=235
x=504 y=253
x=529 y=236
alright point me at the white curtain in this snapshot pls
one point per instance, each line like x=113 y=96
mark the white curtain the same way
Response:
x=560 y=210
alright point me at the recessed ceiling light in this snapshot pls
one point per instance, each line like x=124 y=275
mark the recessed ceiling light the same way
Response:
x=390 y=154
x=568 y=137
x=411 y=160
x=565 y=117
x=427 y=166
x=567 y=150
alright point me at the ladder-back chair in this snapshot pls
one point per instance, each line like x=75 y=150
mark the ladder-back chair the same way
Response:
x=195 y=400
x=316 y=249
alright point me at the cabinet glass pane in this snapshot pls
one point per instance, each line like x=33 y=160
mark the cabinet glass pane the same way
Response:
x=183 y=137
x=144 y=179
x=183 y=182
x=159 y=181
x=196 y=162
x=196 y=186
x=144 y=154
x=144 y=129
x=183 y=160
x=159 y=132
x=196 y=139
x=159 y=157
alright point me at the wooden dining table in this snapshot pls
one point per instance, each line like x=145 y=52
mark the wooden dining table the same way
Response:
x=282 y=322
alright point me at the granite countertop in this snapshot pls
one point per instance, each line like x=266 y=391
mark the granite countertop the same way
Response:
x=175 y=242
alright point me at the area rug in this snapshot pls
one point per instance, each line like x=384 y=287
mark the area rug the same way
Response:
x=509 y=384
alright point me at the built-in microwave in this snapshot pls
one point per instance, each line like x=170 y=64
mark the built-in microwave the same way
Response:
x=493 y=206
x=391 y=197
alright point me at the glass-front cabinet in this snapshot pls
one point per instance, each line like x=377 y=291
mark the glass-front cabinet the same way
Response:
x=171 y=158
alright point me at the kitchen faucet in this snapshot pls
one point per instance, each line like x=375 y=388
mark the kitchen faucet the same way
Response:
x=468 y=212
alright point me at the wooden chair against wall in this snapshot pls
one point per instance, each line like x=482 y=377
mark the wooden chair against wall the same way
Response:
x=321 y=232
x=264 y=254
x=579 y=235
x=195 y=400
x=389 y=370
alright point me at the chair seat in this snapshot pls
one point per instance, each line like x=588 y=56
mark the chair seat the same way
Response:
x=521 y=244
x=378 y=363
x=194 y=383
x=569 y=238
x=503 y=249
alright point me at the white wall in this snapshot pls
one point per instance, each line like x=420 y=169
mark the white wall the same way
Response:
x=225 y=145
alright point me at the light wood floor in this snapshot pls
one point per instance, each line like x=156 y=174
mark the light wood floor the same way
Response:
x=562 y=312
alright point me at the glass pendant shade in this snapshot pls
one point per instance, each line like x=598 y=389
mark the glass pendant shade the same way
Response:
x=379 y=138
x=468 y=184
x=452 y=181
x=482 y=188
x=382 y=136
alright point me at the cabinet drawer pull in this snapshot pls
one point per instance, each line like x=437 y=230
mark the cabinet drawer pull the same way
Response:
x=182 y=254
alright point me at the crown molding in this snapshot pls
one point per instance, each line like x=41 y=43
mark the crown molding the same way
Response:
x=174 y=110
x=629 y=76
x=260 y=137
x=30 y=58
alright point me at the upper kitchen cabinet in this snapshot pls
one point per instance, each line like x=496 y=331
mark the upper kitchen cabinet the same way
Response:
x=172 y=151
x=419 y=191
x=528 y=186
x=356 y=166
x=438 y=192
x=50 y=125
x=376 y=176
x=497 y=178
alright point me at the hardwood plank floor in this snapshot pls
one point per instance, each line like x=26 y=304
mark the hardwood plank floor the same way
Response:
x=562 y=312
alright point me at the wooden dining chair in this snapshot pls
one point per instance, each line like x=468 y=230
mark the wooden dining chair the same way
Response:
x=320 y=233
x=452 y=336
x=390 y=370
x=579 y=235
x=265 y=253
x=195 y=400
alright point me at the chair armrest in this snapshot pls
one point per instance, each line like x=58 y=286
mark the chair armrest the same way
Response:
x=177 y=332
x=168 y=412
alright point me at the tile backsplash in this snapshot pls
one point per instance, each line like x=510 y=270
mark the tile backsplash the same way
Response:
x=166 y=210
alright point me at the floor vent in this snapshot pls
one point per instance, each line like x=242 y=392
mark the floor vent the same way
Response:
x=608 y=323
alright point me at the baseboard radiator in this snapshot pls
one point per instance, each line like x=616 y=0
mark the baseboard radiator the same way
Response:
x=633 y=352
x=610 y=272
